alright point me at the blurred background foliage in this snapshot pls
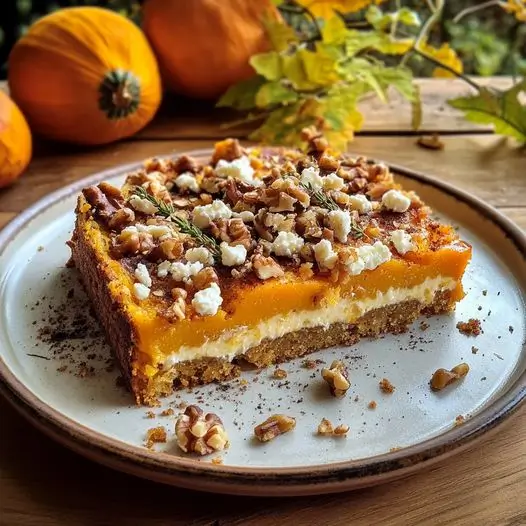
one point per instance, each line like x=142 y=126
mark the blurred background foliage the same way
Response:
x=490 y=42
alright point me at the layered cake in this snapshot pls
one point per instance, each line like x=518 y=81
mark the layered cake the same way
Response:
x=256 y=256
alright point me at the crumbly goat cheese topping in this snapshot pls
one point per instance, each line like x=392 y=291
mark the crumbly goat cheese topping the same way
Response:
x=199 y=254
x=287 y=244
x=142 y=205
x=360 y=203
x=240 y=169
x=311 y=177
x=402 y=241
x=187 y=181
x=206 y=302
x=333 y=182
x=178 y=270
x=340 y=222
x=204 y=215
x=396 y=201
x=324 y=254
x=368 y=257
x=141 y=291
x=142 y=275
x=232 y=256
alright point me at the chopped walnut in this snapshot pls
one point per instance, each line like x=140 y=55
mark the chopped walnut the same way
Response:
x=199 y=433
x=177 y=310
x=185 y=163
x=459 y=420
x=232 y=231
x=325 y=428
x=279 y=374
x=337 y=378
x=121 y=219
x=204 y=278
x=472 y=327
x=266 y=267
x=386 y=386
x=155 y=435
x=328 y=163
x=105 y=199
x=170 y=249
x=442 y=377
x=274 y=426
x=168 y=412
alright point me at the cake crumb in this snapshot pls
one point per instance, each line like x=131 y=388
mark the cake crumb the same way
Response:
x=474 y=350
x=471 y=327
x=40 y=248
x=280 y=374
x=484 y=292
x=309 y=364
x=386 y=386
x=62 y=369
x=510 y=328
x=218 y=461
x=393 y=449
x=459 y=420
x=155 y=435
x=372 y=404
x=341 y=430
x=168 y=412
x=424 y=326
x=150 y=414
x=325 y=428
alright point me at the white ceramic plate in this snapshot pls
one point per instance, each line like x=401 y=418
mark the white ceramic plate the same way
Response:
x=87 y=411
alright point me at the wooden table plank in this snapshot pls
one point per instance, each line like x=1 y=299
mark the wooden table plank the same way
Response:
x=182 y=118
x=485 y=165
x=43 y=484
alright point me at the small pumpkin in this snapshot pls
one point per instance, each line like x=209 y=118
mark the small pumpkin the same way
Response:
x=15 y=141
x=203 y=46
x=85 y=75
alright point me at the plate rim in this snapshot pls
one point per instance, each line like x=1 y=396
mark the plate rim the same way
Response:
x=335 y=476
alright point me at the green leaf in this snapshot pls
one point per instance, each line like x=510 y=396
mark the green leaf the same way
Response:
x=280 y=34
x=408 y=17
x=416 y=109
x=242 y=96
x=294 y=71
x=502 y=109
x=273 y=93
x=398 y=77
x=268 y=65
x=334 y=31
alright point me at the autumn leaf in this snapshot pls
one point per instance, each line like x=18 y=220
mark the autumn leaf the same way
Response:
x=334 y=31
x=383 y=21
x=320 y=66
x=242 y=96
x=445 y=55
x=517 y=8
x=502 y=109
x=273 y=93
x=281 y=35
x=327 y=8
x=267 y=64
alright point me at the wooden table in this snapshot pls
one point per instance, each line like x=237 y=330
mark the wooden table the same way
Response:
x=42 y=484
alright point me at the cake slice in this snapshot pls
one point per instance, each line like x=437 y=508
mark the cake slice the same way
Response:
x=258 y=256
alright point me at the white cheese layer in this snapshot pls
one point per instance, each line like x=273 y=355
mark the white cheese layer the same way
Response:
x=347 y=310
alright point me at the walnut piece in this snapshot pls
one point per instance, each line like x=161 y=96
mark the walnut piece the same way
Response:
x=177 y=310
x=325 y=428
x=185 y=163
x=200 y=433
x=442 y=377
x=105 y=199
x=266 y=267
x=337 y=378
x=274 y=426
x=121 y=218
x=204 y=278
x=386 y=386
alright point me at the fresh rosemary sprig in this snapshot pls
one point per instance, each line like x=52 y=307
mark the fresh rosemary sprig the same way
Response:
x=320 y=198
x=186 y=227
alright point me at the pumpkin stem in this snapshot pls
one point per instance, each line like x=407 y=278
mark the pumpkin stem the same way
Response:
x=119 y=94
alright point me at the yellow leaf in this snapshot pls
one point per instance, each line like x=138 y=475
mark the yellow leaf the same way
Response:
x=334 y=31
x=267 y=64
x=326 y=8
x=517 y=8
x=294 y=70
x=445 y=55
x=319 y=67
x=280 y=34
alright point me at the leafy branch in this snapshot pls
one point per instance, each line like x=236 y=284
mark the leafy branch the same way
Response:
x=168 y=211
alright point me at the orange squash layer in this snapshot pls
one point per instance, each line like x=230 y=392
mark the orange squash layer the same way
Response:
x=251 y=304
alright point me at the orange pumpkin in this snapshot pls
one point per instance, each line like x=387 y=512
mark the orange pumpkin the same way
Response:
x=85 y=75
x=203 y=46
x=15 y=141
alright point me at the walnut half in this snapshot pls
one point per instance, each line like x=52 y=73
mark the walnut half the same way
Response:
x=200 y=433
x=274 y=426
x=337 y=378
x=442 y=377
